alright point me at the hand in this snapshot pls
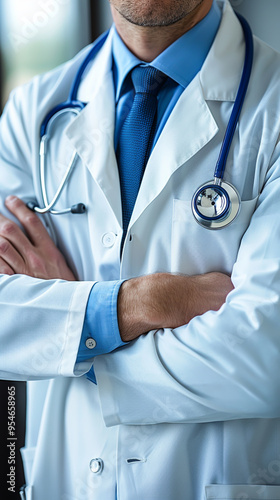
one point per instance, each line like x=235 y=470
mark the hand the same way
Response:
x=33 y=254
x=168 y=301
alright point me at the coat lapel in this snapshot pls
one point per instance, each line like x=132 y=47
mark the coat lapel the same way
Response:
x=189 y=127
x=221 y=72
x=92 y=132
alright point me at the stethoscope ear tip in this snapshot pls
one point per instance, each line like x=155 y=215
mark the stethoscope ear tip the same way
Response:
x=80 y=208
x=31 y=205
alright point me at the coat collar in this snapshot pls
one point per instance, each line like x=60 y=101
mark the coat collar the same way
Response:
x=92 y=132
x=227 y=57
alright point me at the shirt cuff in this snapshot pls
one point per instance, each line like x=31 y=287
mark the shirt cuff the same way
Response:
x=100 y=333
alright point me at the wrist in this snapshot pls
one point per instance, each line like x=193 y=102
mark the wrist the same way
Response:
x=133 y=314
x=150 y=302
x=164 y=300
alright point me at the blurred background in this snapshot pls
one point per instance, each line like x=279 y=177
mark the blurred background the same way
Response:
x=37 y=35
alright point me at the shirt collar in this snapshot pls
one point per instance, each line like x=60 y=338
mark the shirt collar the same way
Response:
x=181 y=61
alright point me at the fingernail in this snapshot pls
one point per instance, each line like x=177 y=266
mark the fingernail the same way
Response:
x=11 y=199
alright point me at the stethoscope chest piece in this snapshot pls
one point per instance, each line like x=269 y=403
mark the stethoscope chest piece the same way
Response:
x=215 y=205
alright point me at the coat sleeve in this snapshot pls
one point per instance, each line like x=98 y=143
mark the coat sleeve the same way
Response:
x=41 y=321
x=221 y=366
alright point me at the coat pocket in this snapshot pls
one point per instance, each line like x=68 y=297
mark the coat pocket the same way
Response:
x=242 y=492
x=196 y=250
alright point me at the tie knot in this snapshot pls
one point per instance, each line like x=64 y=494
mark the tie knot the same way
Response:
x=147 y=80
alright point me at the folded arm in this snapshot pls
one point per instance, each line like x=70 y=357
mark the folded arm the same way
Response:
x=165 y=300
x=146 y=303
x=221 y=365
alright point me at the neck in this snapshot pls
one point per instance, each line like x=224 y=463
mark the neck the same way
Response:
x=147 y=42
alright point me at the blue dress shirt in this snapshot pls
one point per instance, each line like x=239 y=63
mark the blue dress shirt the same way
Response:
x=181 y=61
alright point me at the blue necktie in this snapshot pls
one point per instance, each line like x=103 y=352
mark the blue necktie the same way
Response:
x=137 y=134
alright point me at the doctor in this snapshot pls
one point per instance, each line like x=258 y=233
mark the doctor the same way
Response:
x=191 y=409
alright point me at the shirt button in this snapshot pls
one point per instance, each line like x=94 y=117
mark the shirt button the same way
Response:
x=96 y=465
x=90 y=343
x=108 y=240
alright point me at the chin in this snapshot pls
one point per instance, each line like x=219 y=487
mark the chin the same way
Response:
x=151 y=13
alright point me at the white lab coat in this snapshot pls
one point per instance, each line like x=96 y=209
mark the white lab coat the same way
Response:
x=196 y=408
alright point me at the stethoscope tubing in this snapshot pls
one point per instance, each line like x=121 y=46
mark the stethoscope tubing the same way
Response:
x=217 y=203
x=43 y=152
x=75 y=106
x=72 y=102
x=90 y=56
x=242 y=90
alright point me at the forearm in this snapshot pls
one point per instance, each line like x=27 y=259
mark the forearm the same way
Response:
x=168 y=301
x=41 y=327
x=220 y=366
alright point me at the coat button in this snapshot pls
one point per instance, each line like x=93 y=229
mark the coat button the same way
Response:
x=96 y=465
x=90 y=343
x=108 y=240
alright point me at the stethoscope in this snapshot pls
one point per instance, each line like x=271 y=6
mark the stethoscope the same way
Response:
x=74 y=106
x=215 y=204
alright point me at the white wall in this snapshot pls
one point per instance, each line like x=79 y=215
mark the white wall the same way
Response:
x=264 y=18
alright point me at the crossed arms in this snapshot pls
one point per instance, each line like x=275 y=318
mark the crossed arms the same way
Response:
x=146 y=303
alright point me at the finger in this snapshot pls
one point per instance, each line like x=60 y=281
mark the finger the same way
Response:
x=34 y=228
x=11 y=232
x=5 y=268
x=11 y=256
